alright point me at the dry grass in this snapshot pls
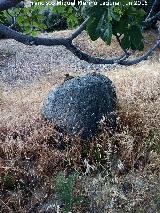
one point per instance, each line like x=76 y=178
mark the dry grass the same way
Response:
x=138 y=89
x=32 y=151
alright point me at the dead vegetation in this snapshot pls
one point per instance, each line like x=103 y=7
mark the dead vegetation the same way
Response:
x=117 y=173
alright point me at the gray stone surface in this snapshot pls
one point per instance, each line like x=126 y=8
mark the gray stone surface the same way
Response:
x=77 y=105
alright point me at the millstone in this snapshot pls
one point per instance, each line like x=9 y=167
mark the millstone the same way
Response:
x=77 y=105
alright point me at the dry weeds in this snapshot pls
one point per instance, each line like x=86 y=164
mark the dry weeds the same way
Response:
x=117 y=173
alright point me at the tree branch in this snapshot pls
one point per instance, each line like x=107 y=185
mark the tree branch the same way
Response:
x=152 y=8
x=156 y=16
x=30 y=40
x=79 y=30
x=143 y=57
x=13 y=19
x=67 y=42
x=90 y=59
x=6 y=4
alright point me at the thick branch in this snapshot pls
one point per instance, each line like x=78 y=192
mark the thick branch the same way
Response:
x=6 y=4
x=143 y=57
x=30 y=40
x=67 y=42
x=90 y=59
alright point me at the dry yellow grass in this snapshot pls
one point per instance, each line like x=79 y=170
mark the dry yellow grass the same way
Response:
x=138 y=90
x=31 y=150
x=25 y=135
x=137 y=87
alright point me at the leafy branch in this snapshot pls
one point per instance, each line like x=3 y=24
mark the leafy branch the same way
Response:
x=100 y=26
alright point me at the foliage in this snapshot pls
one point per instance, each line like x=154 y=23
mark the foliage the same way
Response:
x=65 y=189
x=125 y=21
x=104 y=21
x=53 y=19
x=31 y=20
x=9 y=19
x=59 y=17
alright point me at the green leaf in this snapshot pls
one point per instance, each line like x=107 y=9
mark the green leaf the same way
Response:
x=27 y=28
x=122 y=26
x=60 y=9
x=93 y=28
x=96 y=11
x=131 y=11
x=141 y=46
x=133 y=47
x=20 y=19
x=118 y=10
x=140 y=15
x=34 y=33
x=115 y=16
x=72 y=20
x=107 y=35
x=109 y=14
x=125 y=41
x=136 y=37
x=70 y=10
